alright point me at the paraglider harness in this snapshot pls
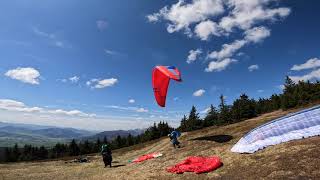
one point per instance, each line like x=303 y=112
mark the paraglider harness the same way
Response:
x=106 y=155
x=174 y=138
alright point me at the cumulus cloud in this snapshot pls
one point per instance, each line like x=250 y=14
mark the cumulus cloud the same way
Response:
x=26 y=75
x=101 y=83
x=206 y=18
x=245 y=14
x=253 y=35
x=253 y=67
x=216 y=66
x=256 y=34
x=310 y=64
x=223 y=57
x=207 y=28
x=227 y=50
x=313 y=75
x=102 y=24
x=199 y=92
x=131 y=101
x=181 y=15
x=238 y=14
x=193 y=55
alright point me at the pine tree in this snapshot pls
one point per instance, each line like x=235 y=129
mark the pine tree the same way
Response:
x=211 y=117
x=130 y=140
x=224 y=114
x=289 y=97
x=243 y=108
x=194 y=121
x=183 y=124
x=74 y=148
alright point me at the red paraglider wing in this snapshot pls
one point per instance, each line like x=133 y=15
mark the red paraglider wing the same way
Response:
x=160 y=83
x=161 y=76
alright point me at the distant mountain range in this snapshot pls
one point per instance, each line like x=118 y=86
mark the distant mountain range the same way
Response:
x=113 y=134
x=36 y=135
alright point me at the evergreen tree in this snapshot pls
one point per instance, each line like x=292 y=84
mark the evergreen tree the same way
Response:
x=224 y=114
x=243 y=108
x=130 y=140
x=74 y=148
x=211 y=117
x=194 y=121
x=183 y=124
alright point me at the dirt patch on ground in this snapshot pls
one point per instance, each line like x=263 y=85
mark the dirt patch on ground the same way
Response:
x=296 y=159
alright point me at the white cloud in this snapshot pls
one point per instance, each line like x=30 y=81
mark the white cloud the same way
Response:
x=245 y=14
x=199 y=92
x=218 y=66
x=142 y=110
x=26 y=75
x=239 y=14
x=260 y=91
x=102 y=24
x=253 y=67
x=181 y=15
x=13 y=111
x=131 y=101
x=313 y=75
x=136 y=109
x=103 y=83
x=227 y=50
x=207 y=28
x=176 y=98
x=254 y=35
x=193 y=54
x=70 y=113
x=310 y=64
x=74 y=79
x=206 y=18
x=12 y=105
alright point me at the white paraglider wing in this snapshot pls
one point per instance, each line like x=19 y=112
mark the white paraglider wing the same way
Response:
x=298 y=125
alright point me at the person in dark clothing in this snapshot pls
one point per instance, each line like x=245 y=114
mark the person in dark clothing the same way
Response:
x=106 y=155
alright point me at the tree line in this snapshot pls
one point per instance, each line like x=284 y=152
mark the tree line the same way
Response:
x=78 y=147
x=293 y=95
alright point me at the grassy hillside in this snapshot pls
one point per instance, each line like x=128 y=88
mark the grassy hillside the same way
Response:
x=299 y=159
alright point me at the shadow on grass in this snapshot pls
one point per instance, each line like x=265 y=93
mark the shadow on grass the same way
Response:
x=119 y=165
x=216 y=138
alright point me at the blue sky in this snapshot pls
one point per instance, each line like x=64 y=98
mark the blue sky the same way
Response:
x=88 y=64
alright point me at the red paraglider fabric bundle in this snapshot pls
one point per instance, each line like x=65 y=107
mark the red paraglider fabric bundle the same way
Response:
x=196 y=164
x=146 y=157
